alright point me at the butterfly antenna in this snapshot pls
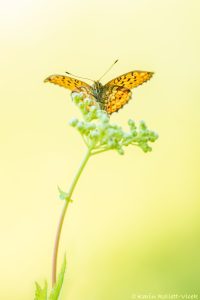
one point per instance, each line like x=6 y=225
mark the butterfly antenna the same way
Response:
x=108 y=69
x=79 y=76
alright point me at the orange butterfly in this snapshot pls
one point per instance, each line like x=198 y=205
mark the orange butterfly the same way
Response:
x=113 y=95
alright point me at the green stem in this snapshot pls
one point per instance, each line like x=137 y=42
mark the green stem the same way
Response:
x=100 y=151
x=61 y=220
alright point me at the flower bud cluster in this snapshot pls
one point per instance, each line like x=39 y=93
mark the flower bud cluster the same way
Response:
x=100 y=135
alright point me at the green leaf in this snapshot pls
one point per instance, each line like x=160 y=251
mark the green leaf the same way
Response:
x=62 y=195
x=55 y=292
x=41 y=293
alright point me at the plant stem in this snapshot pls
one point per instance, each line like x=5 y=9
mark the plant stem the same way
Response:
x=61 y=220
x=100 y=151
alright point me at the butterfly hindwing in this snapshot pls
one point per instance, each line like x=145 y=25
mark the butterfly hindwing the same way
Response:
x=67 y=82
x=114 y=98
x=131 y=79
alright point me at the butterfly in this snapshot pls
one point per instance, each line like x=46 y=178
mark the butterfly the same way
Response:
x=113 y=95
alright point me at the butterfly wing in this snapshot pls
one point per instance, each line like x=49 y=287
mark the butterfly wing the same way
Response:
x=114 y=98
x=68 y=82
x=131 y=79
x=117 y=92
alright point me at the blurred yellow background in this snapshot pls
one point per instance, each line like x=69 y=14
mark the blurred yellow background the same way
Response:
x=134 y=225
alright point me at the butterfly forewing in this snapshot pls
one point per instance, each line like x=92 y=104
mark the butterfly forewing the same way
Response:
x=67 y=82
x=131 y=79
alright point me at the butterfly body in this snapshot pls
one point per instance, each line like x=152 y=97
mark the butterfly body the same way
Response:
x=97 y=90
x=113 y=95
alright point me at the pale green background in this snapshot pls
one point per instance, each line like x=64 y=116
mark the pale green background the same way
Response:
x=134 y=224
